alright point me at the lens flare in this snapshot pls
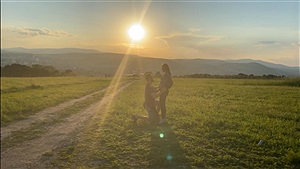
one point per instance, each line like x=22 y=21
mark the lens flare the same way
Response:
x=169 y=157
x=161 y=135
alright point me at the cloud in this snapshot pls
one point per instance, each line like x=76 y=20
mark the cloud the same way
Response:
x=194 y=30
x=295 y=44
x=189 y=39
x=38 y=32
x=262 y=44
x=133 y=46
x=267 y=42
x=276 y=44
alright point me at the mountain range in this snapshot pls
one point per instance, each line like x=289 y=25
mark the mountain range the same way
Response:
x=96 y=63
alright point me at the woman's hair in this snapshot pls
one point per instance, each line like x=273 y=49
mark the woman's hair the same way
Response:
x=165 y=68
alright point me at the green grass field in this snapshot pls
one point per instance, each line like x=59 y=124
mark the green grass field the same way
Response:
x=21 y=97
x=212 y=123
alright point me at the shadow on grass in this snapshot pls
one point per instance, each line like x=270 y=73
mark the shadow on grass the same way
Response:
x=165 y=150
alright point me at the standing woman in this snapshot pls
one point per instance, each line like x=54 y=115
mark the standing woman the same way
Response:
x=164 y=86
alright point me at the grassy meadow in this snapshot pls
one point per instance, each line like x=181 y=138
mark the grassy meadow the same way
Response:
x=21 y=97
x=212 y=123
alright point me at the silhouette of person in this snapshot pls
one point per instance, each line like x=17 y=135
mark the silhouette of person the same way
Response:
x=165 y=83
x=150 y=104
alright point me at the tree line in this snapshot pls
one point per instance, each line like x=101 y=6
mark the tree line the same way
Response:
x=238 y=76
x=36 y=70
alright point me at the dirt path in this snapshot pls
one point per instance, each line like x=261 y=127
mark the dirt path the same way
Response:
x=42 y=115
x=27 y=154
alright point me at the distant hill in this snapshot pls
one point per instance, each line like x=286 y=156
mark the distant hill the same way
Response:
x=272 y=65
x=49 y=50
x=96 y=63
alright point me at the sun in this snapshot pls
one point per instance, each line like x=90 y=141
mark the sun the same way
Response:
x=136 y=32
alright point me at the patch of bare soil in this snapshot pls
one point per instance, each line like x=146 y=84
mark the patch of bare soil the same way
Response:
x=28 y=154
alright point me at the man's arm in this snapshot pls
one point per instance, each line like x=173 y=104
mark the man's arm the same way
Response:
x=157 y=94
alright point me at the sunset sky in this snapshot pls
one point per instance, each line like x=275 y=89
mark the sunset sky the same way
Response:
x=262 y=30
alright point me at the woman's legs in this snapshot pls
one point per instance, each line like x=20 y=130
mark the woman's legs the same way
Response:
x=162 y=100
x=157 y=105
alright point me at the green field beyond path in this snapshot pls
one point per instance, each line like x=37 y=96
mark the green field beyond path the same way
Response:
x=22 y=97
x=212 y=123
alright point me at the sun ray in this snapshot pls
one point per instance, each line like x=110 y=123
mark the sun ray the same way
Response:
x=114 y=86
x=145 y=10
x=115 y=83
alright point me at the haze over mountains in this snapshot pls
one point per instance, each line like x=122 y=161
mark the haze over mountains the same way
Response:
x=95 y=63
x=49 y=50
